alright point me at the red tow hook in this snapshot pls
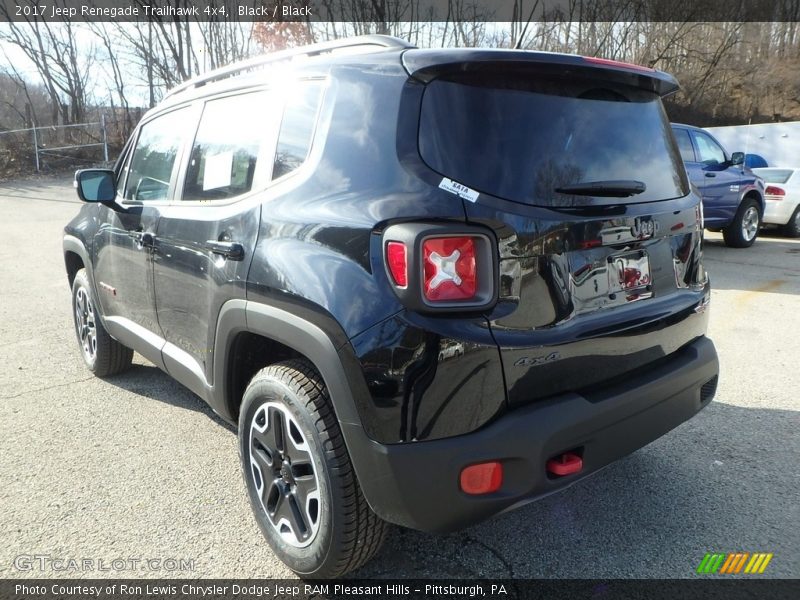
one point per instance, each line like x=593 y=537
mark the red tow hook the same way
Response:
x=565 y=464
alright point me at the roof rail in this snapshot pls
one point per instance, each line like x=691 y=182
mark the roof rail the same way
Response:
x=382 y=41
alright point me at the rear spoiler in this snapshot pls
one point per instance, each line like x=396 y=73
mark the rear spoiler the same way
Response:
x=426 y=65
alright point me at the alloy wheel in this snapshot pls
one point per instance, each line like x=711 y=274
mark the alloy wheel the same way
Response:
x=750 y=223
x=284 y=475
x=85 y=324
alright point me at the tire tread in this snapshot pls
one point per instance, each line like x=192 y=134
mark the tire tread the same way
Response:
x=364 y=532
x=732 y=234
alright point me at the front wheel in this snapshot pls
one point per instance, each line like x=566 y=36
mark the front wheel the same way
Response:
x=301 y=483
x=743 y=230
x=103 y=354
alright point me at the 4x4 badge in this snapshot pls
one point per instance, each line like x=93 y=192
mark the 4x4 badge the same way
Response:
x=527 y=361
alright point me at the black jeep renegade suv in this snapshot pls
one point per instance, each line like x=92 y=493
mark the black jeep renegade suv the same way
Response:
x=428 y=285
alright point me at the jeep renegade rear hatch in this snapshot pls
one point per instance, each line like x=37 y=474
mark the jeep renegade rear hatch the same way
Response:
x=550 y=140
x=573 y=164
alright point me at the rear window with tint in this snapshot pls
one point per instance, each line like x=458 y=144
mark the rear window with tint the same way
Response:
x=774 y=175
x=519 y=138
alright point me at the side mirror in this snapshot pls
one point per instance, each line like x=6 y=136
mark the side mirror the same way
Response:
x=737 y=158
x=95 y=185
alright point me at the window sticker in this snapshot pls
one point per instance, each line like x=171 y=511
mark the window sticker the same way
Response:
x=218 y=171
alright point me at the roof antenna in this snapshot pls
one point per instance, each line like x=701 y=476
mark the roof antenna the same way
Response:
x=747 y=142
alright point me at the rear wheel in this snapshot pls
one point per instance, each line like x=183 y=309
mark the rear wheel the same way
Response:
x=792 y=228
x=103 y=354
x=301 y=483
x=743 y=230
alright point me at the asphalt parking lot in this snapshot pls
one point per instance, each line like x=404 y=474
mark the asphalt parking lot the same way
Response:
x=138 y=467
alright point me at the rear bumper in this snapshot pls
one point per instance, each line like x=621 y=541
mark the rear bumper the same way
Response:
x=416 y=484
x=778 y=213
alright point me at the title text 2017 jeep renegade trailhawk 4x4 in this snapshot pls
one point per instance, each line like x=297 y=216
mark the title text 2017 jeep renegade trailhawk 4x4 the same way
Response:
x=428 y=285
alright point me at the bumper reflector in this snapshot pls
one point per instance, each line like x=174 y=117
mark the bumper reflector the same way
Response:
x=566 y=464
x=483 y=478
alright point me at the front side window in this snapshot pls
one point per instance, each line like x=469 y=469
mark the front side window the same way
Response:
x=708 y=151
x=153 y=160
x=297 y=126
x=234 y=144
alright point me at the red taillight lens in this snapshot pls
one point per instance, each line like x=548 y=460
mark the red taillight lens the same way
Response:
x=450 y=269
x=774 y=191
x=483 y=478
x=397 y=259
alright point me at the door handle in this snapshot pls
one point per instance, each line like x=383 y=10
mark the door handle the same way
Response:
x=143 y=238
x=711 y=174
x=231 y=250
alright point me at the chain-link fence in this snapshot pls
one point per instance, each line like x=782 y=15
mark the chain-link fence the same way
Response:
x=52 y=148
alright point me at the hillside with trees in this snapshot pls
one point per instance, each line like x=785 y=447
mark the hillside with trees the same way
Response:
x=731 y=72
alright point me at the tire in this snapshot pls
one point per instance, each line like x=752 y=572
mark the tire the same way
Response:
x=743 y=230
x=103 y=355
x=792 y=228
x=309 y=507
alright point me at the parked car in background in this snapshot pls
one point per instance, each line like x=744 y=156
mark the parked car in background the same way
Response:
x=451 y=350
x=782 y=196
x=733 y=196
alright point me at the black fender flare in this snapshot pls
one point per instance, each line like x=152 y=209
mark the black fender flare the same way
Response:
x=73 y=244
x=339 y=368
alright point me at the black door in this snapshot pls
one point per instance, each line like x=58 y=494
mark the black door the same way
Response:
x=123 y=245
x=205 y=239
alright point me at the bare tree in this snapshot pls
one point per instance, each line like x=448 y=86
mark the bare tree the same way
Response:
x=63 y=66
x=118 y=74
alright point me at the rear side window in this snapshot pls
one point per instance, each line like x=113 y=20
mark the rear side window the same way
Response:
x=520 y=138
x=153 y=159
x=684 y=144
x=297 y=126
x=233 y=146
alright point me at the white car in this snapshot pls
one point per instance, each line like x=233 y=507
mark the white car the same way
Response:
x=782 y=196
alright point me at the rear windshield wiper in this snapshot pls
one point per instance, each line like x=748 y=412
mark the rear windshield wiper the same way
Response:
x=621 y=188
